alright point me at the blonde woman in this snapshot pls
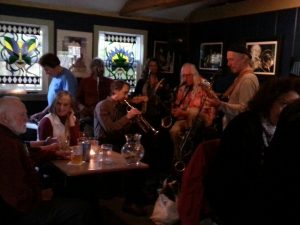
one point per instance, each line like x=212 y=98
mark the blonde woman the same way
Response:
x=60 y=122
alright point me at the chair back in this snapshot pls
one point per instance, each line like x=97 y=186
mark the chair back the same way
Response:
x=192 y=204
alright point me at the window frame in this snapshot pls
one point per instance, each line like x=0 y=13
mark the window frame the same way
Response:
x=48 y=46
x=125 y=31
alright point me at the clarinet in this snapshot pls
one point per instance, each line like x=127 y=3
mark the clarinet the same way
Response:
x=185 y=152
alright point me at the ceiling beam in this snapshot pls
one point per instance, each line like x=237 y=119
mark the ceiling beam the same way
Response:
x=247 y=7
x=132 y=6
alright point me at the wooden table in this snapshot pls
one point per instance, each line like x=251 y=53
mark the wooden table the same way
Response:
x=118 y=165
x=100 y=179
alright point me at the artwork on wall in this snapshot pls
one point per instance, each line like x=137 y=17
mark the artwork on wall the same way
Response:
x=74 y=50
x=264 y=56
x=164 y=55
x=211 y=56
x=22 y=42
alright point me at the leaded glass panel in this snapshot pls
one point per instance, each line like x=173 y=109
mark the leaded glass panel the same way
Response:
x=122 y=51
x=20 y=49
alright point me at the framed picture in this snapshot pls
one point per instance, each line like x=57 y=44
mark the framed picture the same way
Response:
x=264 y=56
x=74 y=49
x=165 y=56
x=211 y=56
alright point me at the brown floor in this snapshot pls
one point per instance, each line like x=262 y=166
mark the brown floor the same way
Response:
x=113 y=214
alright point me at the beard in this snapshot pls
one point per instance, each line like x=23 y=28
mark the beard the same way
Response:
x=18 y=128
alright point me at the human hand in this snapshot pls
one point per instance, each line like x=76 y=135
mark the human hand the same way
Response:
x=72 y=119
x=139 y=99
x=145 y=98
x=50 y=140
x=178 y=112
x=133 y=113
x=51 y=147
x=214 y=102
x=63 y=154
x=54 y=146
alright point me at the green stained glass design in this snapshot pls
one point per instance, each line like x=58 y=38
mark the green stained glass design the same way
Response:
x=20 y=49
x=120 y=57
x=120 y=63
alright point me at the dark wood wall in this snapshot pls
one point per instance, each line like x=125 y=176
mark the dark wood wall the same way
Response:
x=279 y=25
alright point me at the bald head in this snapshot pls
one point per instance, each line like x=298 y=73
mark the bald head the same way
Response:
x=13 y=114
x=97 y=67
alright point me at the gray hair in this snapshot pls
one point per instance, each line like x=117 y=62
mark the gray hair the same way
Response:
x=193 y=68
x=6 y=102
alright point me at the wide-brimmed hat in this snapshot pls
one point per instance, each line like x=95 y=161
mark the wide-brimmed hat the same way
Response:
x=239 y=48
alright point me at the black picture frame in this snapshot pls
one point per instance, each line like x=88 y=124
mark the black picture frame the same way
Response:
x=211 y=56
x=264 y=56
x=165 y=56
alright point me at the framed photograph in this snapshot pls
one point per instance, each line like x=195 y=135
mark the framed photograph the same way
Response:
x=165 y=56
x=264 y=56
x=211 y=56
x=74 y=49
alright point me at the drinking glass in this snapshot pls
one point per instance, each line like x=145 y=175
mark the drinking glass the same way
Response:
x=106 y=152
x=76 y=155
x=94 y=148
x=64 y=143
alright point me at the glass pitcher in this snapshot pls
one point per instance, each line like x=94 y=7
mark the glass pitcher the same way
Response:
x=133 y=150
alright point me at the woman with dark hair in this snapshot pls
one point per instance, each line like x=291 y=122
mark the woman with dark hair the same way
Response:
x=234 y=184
x=151 y=68
x=153 y=96
x=60 y=122
x=153 y=93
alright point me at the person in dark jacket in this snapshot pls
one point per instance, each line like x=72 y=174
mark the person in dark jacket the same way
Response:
x=282 y=166
x=22 y=201
x=235 y=182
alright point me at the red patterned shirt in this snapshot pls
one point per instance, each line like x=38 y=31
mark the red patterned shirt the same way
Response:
x=195 y=97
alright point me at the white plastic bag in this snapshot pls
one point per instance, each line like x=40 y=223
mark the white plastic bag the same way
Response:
x=165 y=211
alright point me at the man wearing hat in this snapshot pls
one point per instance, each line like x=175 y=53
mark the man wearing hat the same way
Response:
x=244 y=86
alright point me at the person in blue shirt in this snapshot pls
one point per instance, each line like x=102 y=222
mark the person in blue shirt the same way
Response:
x=62 y=79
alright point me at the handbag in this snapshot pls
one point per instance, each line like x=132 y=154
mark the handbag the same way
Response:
x=165 y=207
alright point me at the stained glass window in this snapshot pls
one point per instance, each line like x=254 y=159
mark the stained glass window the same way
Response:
x=21 y=45
x=123 y=53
